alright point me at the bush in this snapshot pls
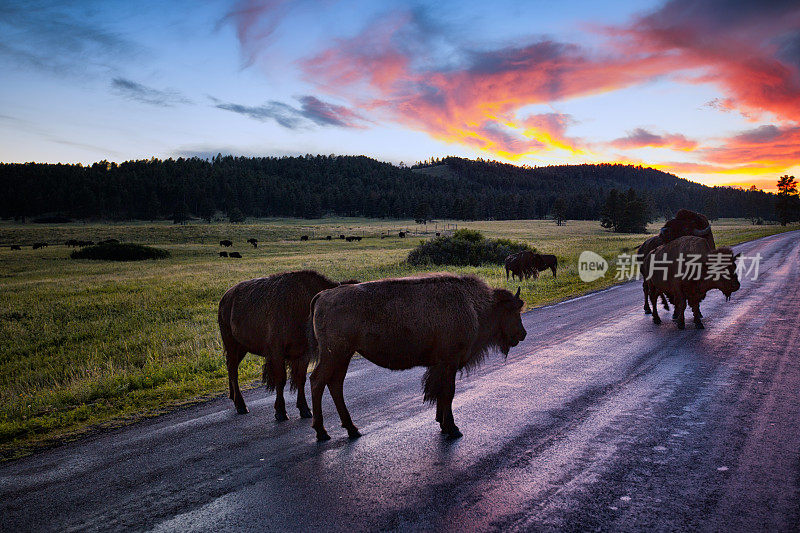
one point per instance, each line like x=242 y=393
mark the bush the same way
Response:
x=464 y=248
x=119 y=252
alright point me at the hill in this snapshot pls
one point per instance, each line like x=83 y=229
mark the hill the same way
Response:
x=313 y=186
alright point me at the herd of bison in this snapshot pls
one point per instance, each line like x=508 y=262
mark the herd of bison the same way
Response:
x=443 y=322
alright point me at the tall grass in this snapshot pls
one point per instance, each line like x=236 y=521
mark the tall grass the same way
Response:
x=88 y=343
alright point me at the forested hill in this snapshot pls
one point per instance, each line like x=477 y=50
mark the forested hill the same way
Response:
x=313 y=186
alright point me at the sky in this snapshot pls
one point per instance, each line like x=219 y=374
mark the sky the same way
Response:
x=706 y=89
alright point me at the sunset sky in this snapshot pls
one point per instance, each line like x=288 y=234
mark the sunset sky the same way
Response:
x=708 y=90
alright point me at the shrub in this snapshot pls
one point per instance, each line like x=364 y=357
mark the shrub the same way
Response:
x=464 y=248
x=119 y=252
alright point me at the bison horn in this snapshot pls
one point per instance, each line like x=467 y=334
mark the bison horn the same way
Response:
x=702 y=232
x=518 y=291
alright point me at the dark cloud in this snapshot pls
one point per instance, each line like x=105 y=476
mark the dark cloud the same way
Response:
x=312 y=110
x=147 y=95
x=641 y=137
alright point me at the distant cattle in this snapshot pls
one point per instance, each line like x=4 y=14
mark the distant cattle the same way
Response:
x=226 y=243
x=438 y=234
x=304 y=238
x=328 y=237
x=358 y=238
x=402 y=234
x=444 y=322
x=268 y=317
x=38 y=245
x=682 y=283
x=223 y=254
x=341 y=237
x=253 y=242
x=350 y=238
x=16 y=247
x=71 y=243
x=237 y=255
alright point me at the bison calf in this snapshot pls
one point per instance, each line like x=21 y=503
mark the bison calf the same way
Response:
x=267 y=317
x=443 y=322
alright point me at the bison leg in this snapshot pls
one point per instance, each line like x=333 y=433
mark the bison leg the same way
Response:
x=275 y=366
x=680 y=307
x=664 y=302
x=647 y=310
x=654 y=304
x=234 y=354
x=319 y=378
x=336 y=388
x=697 y=315
x=440 y=384
x=300 y=383
x=553 y=268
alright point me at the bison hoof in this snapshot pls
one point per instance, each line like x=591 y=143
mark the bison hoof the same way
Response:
x=242 y=409
x=656 y=320
x=281 y=416
x=454 y=433
x=305 y=412
x=322 y=436
x=647 y=311
x=699 y=325
x=353 y=433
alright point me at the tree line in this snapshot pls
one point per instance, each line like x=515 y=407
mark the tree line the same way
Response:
x=314 y=186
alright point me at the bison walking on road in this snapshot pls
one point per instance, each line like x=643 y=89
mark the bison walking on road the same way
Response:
x=687 y=223
x=267 y=317
x=645 y=248
x=443 y=322
x=668 y=270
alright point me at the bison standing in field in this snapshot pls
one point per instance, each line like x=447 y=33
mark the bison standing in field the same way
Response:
x=645 y=248
x=513 y=266
x=38 y=245
x=253 y=242
x=670 y=269
x=267 y=317
x=235 y=255
x=304 y=238
x=542 y=262
x=223 y=254
x=226 y=243
x=402 y=234
x=444 y=322
x=16 y=247
x=341 y=237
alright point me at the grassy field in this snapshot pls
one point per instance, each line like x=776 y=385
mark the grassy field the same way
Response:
x=87 y=344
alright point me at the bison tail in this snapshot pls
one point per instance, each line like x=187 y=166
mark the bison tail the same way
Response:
x=312 y=352
x=266 y=376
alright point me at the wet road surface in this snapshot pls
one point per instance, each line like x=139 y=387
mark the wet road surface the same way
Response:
x=599 y=420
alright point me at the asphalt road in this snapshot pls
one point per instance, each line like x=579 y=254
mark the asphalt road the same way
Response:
x=599 y=420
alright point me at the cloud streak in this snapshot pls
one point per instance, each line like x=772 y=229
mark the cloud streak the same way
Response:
x=312 y=111
x=147 y=95
x=641 y=138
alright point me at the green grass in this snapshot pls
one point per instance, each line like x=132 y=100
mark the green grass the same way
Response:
x=86 y=344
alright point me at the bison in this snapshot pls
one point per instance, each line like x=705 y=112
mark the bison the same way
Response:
x=686 y=223
x=223 y=254
x=38 y=245
x=513 y=265
x=253 y=242
x=226 y=243
x=670 y=270
x=542 y=262
x=16 y=247
x=328 y=237
x=267 y=317
x=645 y=248
x=402 y=234
x=71 y=243
x=444 y=322
x=235 y=255
x=304 y=238
x=341 y=237
x=358 y=238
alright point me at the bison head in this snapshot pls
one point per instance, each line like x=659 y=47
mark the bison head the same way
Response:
x=729 y=283
x=507 y=320
x=686 y=223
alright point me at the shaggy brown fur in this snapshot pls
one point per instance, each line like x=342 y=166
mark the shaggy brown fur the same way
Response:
x=645 y=248
x=267 y=317
x=680 y=290
x=543 y=262
x=444 y=322
x=687 y=223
